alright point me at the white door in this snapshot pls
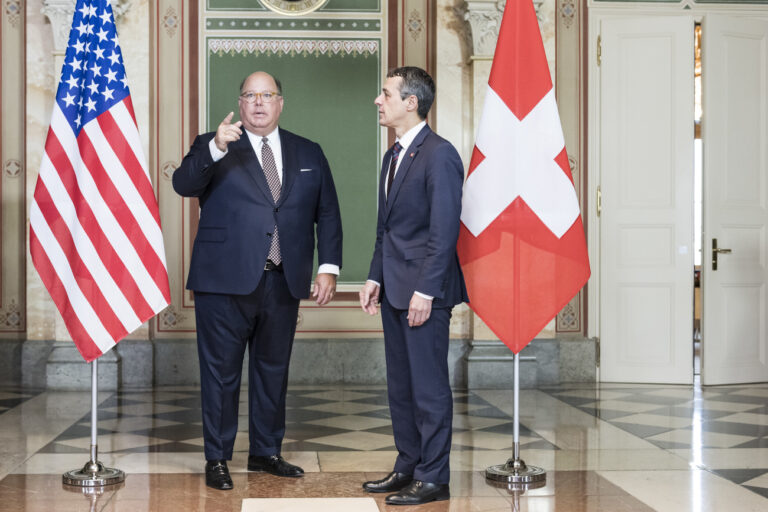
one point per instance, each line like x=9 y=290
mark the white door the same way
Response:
x=646 y=179
x=735 y=200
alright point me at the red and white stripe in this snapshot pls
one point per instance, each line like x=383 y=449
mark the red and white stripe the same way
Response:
x=95 y=234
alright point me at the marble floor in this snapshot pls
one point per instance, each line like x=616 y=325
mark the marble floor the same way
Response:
x=608 y=448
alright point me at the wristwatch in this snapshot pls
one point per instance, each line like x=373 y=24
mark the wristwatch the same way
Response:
x=293 y=7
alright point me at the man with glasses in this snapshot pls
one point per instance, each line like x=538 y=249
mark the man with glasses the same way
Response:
x=263 y=193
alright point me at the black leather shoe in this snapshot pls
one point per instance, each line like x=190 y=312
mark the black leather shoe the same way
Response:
x=393 y=482
x=217 y=475
x=274 y=464
x=419 y=493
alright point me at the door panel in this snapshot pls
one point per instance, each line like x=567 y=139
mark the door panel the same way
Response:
x=646 y=178
x=735 y=130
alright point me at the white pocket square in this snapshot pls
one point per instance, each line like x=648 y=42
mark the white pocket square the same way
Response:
x=306 y=170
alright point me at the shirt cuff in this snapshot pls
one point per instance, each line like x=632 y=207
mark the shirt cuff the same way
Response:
x=424 y=295
x=328 y=268
x=374 y=282
x=216 y=153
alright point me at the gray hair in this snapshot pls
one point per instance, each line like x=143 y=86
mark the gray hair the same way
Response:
x=416 y=82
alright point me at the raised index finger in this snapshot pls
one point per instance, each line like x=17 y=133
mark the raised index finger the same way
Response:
x=227 y=120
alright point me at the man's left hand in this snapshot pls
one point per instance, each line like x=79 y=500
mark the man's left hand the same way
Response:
x=325 y=288
x=418 y=310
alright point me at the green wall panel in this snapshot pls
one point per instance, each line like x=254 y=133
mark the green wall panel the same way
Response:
x=331 y=6
x=329 y=87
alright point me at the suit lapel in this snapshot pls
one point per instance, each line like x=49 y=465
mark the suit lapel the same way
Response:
x=243 y=150
x=407 y=156
x=290 y=167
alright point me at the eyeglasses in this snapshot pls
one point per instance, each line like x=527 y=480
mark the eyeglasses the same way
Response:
x=266 y=97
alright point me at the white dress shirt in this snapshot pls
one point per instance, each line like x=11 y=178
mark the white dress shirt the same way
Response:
x=257 y=141
x=405 y=141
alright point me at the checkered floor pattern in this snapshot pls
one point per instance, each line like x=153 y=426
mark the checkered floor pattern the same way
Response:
x=353 y=419
x=686 y=418
x=316 y=420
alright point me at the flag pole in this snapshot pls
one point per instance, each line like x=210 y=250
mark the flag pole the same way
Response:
x=516 y=471
x=93 y=474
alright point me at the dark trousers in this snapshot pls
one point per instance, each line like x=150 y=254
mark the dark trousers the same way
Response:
x=419 y=391
x=265 y=322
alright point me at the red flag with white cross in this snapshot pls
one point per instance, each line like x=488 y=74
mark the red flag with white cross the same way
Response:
x=521 y=245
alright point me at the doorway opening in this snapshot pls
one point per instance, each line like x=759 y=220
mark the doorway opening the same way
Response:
x=697 y=206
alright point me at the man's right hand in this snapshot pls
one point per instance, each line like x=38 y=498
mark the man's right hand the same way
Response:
x=369 y=297
x=227 y=132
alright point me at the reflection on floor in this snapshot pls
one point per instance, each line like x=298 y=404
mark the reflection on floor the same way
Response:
x=607 y=448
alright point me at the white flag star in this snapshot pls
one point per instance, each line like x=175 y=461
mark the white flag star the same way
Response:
x=111 y=76
x=79 y=46
x=105 y=18
x=102 y=35
x=99 y=53
x=108 y=93
x=73 y=82
x=96 y=70
x=69 y=100
x=115 y=57
x=75 y=63
x=90 y=104
x=94 y=87
x=83 y=28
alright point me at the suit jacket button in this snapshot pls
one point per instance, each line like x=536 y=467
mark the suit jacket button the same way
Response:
x=277 y=210
x=269 y=234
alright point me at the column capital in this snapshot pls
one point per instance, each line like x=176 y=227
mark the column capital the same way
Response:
x=59 y=13
x=484 y=17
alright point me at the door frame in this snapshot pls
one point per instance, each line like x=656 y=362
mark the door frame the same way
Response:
x=596 y=12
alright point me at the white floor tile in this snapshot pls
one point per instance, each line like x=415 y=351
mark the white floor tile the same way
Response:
x=686 y=491
x=313 y=504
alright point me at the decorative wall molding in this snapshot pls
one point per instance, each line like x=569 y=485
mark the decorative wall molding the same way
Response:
x=11 y=317
x=415 y=24
x=567 y=10
x=166 y=170
x=13 y=12
x=171 y=21
x=12 y=168
x=293 y=47
x=314 y=24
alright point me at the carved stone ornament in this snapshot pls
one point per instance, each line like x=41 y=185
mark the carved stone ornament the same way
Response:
x=484 y=17
x=60 y=12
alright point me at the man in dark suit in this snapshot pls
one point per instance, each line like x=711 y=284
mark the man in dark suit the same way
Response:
x=263 y=191
x=415 y=274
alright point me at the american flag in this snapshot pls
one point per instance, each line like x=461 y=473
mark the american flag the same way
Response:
x=94 y=230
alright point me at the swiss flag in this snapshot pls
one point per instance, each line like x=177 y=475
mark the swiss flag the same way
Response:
x=521 y=245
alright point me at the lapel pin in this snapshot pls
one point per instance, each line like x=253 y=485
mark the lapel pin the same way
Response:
x=412 y=154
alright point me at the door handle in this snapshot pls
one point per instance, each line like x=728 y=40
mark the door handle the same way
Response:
x=717 y=250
